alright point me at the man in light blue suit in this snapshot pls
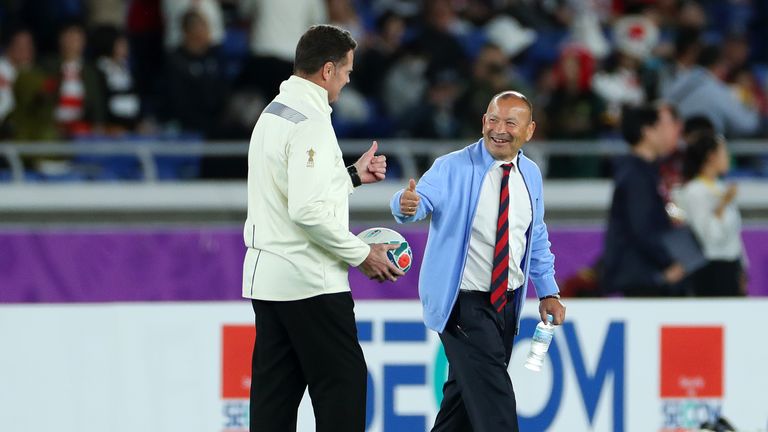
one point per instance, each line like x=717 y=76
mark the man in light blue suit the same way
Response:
x=487 y=238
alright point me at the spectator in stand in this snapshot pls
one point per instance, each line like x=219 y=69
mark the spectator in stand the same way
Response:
x=713 y=215
x=123 y=107
x=691 y=15
x=701 y=91
x=378 y=57
x=547 y=15
x=437 y=39
x=437 y=118
x=80 y=106
x=196 y=89
x=173 y=17
x=44 y=19
x=405 y=84
x=740 y=75
x=276 y=27
x=106 y=13
x=19 y=54
x=619 y=82
x=342 y=14
x=144 y=28
x=31 y=93
x=635 y=261
x=491 y=74
x=687 y=49
x=574 y=111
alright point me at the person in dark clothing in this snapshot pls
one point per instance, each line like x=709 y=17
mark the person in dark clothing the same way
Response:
x=636 y=262
x=381 y=55
x=197 y=95
x=121 y=101
x=437 y=40
x=197 y=91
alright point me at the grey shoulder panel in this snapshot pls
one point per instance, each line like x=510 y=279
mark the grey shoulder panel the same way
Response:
x=285 y=112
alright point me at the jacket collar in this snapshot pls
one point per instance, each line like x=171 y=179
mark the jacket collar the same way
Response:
x=299 y=88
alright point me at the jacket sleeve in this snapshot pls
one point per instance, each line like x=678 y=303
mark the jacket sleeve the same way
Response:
x=542 y=271
x=310 y=204
x=429 y=188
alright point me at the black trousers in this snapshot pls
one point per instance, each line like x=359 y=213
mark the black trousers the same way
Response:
x=478 y=395
x=718 y=279
x=308 y=343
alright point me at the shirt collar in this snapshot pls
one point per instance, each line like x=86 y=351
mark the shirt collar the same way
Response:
x=498 y=163
x=488 y=159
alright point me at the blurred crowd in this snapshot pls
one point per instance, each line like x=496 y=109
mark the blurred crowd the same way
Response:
x=79 y=69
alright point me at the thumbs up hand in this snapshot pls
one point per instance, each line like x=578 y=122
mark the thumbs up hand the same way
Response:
x=371 y=167
x=409 y=200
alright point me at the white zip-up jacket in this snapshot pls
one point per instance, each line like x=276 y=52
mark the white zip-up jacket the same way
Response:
x=297 y=230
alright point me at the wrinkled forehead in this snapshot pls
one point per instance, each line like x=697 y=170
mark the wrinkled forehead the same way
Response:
x=509 y=108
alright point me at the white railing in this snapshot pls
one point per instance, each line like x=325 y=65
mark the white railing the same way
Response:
x=405 y=152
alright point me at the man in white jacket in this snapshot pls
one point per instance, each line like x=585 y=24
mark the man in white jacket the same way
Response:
x=300 y=247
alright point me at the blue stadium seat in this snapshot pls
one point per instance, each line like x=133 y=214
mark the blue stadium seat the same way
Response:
x=179 y=167
x=106 y=167
x=234 y=49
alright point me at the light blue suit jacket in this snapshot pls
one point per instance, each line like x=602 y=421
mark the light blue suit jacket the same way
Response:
x=450 y=191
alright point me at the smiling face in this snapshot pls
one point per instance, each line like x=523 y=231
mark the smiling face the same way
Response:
x=507 y=125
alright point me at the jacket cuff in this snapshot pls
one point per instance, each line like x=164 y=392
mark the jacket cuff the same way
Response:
x=546 y=286
x=360 y=258
x=394 y=208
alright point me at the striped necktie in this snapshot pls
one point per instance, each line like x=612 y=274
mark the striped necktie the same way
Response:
x=500 y=274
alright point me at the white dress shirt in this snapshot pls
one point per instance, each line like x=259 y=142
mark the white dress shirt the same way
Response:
x=482 y=241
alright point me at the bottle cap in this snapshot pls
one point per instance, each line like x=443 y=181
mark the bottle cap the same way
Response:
x=550 y=319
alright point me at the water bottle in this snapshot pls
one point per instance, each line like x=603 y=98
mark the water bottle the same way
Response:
x=542 y=337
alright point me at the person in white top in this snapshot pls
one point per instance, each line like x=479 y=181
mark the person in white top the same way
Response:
x=299 y=247
x=276 y=26
x=173 y=12
x=711 y=210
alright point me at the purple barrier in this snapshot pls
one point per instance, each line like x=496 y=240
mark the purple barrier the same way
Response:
x=52 y=266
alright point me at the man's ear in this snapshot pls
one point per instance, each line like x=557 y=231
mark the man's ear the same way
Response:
x=529 y=132
x=327 y=70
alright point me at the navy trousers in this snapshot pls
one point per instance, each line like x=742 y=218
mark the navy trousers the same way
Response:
x=478 y=395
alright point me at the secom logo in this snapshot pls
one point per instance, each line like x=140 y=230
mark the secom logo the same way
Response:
x=237 y=346
x=691 y=376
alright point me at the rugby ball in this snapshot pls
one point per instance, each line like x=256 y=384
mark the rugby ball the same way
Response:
x=402 y=257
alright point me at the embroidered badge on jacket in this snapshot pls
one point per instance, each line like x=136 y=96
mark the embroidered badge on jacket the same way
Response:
x=311 y=160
